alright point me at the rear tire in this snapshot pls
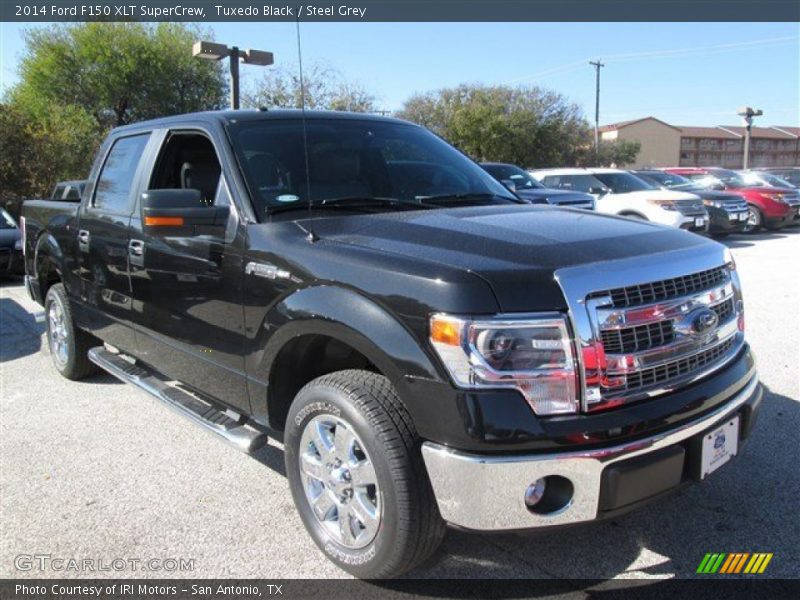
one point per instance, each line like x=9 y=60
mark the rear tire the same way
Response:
x=403 y=527
x=68 y=345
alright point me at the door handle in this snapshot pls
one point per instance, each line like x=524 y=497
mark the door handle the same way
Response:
x=83 y=240
x=136 y=247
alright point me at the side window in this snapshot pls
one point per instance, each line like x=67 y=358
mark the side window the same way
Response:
x=73 y=193
x=188 y=161
x=552 y=181
x=113 y=190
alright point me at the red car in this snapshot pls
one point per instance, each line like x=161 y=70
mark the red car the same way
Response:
x=769 y=207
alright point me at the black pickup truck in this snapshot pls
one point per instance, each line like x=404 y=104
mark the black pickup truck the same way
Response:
x=429 y=349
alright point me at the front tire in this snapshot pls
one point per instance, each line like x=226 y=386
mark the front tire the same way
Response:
x=357 y=477
x=754 y=220
x=68 y=345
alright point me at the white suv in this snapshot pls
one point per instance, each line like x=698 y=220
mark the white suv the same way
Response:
x=618 y=192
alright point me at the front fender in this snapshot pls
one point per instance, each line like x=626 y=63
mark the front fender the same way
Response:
x=350 y=317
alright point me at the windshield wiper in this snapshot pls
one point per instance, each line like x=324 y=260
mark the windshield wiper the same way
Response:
x=369 y=201
x=467 y=197
x=352 y=203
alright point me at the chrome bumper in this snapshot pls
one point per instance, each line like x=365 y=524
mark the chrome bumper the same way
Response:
x=486 y=493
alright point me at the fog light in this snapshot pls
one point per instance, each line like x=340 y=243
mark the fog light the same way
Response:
x=535 y=492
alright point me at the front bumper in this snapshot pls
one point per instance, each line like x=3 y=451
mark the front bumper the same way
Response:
x=487 y=492
x=695 y=222
x=725 y=220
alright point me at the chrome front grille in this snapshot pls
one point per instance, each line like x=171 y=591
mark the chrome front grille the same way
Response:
x=691 y=208
x=737 y=205
x=665 y=289
x=645 y=329
x=661 y=374
x=636 y=339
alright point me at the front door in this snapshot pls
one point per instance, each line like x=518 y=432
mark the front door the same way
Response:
x=187 y=290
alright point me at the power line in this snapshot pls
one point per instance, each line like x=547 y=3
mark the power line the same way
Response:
x=670 y=53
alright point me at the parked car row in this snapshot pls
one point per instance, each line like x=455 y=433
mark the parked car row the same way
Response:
x=698 y=199
x=768 y=206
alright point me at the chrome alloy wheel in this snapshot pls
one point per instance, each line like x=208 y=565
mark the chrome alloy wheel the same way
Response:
x=753 y=219
x=339 y=481
x=57 y=332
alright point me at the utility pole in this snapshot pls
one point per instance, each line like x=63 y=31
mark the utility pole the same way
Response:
x=597 y=65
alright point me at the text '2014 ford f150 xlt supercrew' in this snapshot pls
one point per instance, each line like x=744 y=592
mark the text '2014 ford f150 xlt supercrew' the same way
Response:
x=429 y=348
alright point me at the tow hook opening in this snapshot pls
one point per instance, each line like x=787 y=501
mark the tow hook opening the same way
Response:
x=549 y=495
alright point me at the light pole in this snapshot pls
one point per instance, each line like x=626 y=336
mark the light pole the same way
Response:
x=747 y=115
x=215 y=51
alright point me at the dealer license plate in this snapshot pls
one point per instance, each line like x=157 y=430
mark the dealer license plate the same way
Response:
x=719 y=446
x=699 y=222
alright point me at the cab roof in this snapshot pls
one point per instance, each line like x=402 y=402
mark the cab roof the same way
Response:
x=238 y=116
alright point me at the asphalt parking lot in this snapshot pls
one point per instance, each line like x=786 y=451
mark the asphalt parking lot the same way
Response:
x=98 y=470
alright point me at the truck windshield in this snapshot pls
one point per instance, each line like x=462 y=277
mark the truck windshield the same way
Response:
x=396 y=164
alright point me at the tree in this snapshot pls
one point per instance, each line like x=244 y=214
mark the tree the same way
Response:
x=325 y=87
x=610 y=154
x=78 y=80
x=528 y=126
x=118 y=72
x=40 y=149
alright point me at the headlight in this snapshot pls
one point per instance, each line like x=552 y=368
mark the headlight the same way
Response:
x=665 y=204
x=776 y=197
x=532 y=354
x=714 y=203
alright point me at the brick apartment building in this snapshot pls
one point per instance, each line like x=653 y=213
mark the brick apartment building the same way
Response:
x=665 y=145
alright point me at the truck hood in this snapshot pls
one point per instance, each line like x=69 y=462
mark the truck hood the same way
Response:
x=515 y=249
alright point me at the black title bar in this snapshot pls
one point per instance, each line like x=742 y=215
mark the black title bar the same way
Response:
x=401 y=10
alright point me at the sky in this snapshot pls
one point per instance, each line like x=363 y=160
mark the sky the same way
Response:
x=682 y=73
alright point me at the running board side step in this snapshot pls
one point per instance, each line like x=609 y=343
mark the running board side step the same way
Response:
x=234 y=430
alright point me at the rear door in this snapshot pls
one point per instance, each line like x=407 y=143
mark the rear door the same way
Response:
x=102 y=242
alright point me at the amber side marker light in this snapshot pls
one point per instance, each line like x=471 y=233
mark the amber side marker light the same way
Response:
x=163 y=221
x=445 y=330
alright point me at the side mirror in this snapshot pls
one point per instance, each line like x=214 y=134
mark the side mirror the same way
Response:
x=599 y=191
x=182 y=213
x=509 y=184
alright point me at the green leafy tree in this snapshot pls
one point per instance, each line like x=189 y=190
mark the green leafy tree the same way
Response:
x=610 y=154
x=325 y=87
x=41 y=148
x=528 y=126
x=78 y=80
x=118 y=72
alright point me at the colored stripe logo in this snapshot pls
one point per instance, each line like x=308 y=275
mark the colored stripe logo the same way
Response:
x=735 y=562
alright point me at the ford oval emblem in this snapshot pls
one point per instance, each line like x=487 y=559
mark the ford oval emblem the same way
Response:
x=704 y=320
